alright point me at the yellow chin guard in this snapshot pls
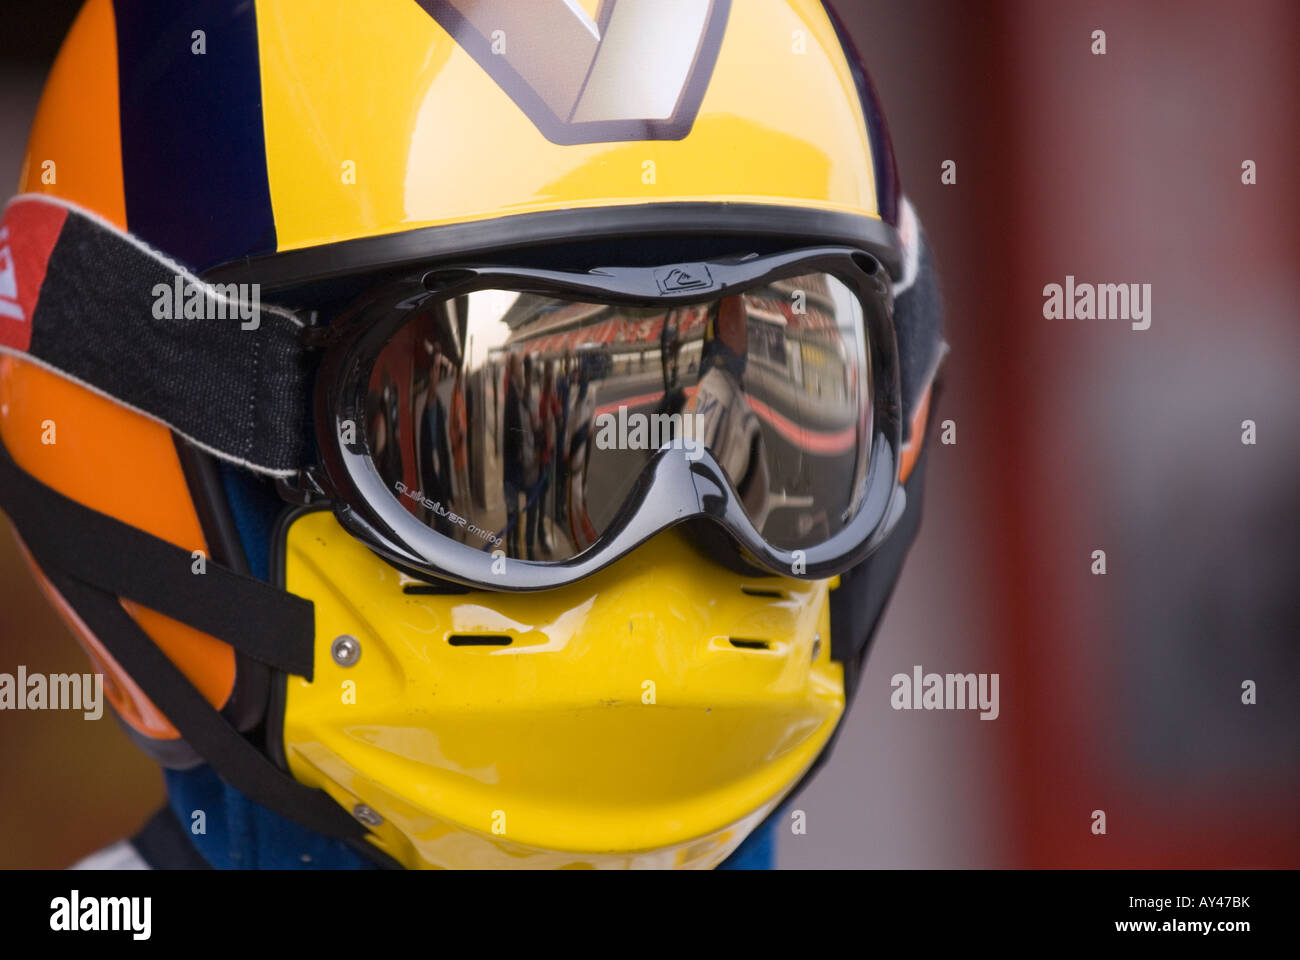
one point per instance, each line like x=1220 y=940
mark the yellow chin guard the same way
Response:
x=651 y=715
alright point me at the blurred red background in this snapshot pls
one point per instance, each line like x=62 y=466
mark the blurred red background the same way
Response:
x=1119 y=692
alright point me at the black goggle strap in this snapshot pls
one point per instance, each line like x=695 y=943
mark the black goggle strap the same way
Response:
x=864 y=591
x=93 y=559
x=82 y=298
x=96 y=305
x=858 y=604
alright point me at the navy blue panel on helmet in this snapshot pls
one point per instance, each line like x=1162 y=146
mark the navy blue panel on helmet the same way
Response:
x=193 y=154
x=882 y=147
x=241 y=834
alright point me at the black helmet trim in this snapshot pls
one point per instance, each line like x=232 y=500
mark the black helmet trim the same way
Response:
x=918 y=317
x=769 y=226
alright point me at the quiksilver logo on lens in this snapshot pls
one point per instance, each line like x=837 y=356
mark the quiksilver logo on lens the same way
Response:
x=689 y=276
x=436 y=507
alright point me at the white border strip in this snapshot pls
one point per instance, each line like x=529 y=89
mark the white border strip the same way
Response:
x=909 y=230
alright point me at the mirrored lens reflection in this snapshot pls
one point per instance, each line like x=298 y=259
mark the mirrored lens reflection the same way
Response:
x=518 y=422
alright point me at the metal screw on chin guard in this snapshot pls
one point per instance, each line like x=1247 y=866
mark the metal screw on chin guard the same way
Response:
x=367 y=815
x=346 y=650
x=817 y=646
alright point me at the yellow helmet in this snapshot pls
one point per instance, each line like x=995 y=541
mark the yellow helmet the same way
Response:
x=487 y=430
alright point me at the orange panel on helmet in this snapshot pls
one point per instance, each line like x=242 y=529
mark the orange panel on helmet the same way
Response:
x=123 y=693
x=916 y=437
x=103 y=456
x=120 y=463
x=75 y=149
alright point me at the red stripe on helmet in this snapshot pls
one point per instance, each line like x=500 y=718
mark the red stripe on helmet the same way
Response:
x=28 y=234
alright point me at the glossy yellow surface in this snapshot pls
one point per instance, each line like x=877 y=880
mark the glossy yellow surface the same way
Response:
x=432 y=139
x=548 y=752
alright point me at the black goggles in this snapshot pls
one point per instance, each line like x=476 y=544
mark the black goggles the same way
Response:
x=520 y=429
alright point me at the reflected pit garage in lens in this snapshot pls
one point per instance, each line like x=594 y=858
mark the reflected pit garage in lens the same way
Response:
x=520 y=422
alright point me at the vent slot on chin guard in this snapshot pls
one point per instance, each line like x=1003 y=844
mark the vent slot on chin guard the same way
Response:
x=480 y=640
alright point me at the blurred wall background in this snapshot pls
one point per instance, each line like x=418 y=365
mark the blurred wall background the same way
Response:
x=1120 y=692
